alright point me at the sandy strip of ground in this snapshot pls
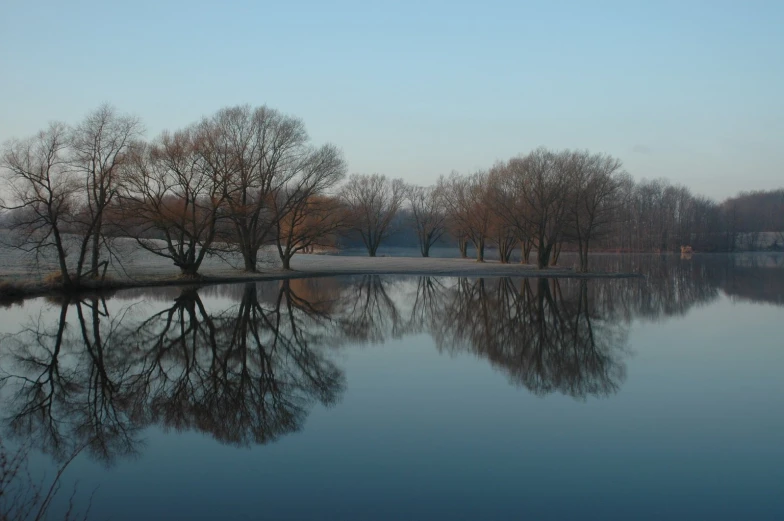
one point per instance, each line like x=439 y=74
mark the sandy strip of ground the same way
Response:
x=147 y=270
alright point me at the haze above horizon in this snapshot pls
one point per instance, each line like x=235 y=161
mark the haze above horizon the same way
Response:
x=689 y=91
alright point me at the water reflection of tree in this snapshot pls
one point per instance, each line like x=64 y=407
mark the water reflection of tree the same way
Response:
x=542 y=333
x=755 y=278
x=246 y=374
x=250 y=372
x=67 y=392
x=426 y=305
x=672 y=286
x=24 y=498
x=369 y=313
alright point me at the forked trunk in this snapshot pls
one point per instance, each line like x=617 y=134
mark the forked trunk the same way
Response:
x=462 y=244
x=543 y=256
x=190 y=271
x=556 y=254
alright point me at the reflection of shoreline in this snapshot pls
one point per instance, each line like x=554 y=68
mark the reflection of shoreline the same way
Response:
x=249 y=372
x=758 y=285
x=701 y=275
x=248 y=367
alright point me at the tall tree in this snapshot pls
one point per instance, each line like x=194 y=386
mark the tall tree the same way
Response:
x=372 y=202
x=467 y=200
x=306 y=215
x=98 y=148
x=172 y=199
x=41 y=197
x=428 y=214
x=258 y=152
x=541 y=180
x=595 y=181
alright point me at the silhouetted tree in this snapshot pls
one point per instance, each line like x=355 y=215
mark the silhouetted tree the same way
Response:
x=372 y=202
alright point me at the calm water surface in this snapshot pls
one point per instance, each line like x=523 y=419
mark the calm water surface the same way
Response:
x=408 y=397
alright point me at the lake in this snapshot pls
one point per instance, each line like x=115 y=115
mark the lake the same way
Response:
x=403 y=397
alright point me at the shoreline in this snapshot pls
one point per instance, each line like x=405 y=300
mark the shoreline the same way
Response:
x=14 y=289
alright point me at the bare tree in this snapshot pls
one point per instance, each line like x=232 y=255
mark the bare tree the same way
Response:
x=595 y=181
x=98 y=148
x=511 y=210
x=467 y=201
x=305 y=215
x=41 y=196
x=372 y=202
x=172 y=199
x=258 y=152
x=429 y=215
x=540 y=180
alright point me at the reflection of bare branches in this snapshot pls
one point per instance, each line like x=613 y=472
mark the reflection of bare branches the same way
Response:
x=426 y=305
x=245 y=375
x=100 y=415
x=64 y=394
x=23 y=498
x=673 y=286
x=249 y=373
x=544 y=336
x=370 y=314
x=37 y=352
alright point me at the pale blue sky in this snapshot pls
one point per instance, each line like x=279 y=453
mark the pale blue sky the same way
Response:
x=687 y=90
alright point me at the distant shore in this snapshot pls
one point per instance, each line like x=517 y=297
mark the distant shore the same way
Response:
x=303 y=266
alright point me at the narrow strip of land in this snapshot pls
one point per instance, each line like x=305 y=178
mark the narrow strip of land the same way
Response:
x=219 y=271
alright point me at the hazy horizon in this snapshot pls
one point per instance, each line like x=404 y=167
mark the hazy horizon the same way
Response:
x=688 y=91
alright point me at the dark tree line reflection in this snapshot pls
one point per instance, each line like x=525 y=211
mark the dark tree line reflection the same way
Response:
x=542 y=333
x=245 y=374
x=246 y=363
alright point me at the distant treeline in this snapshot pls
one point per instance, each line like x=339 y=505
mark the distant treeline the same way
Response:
x=246 y=177
x=660 y=217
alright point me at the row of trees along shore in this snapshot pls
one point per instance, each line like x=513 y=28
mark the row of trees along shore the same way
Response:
x=245 y=178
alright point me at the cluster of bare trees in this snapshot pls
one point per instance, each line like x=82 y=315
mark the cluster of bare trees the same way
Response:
x=750 y=214
x=65 y=180
x=538 y=201
x=235 y=181
x=548 y=201
x=246 y=178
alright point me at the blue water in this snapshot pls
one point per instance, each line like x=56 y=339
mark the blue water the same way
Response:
x=412 y=398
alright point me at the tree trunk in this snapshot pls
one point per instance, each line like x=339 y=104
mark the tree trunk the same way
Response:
x=96 y=247
x=584 y=256
x=556 y=254
x=525 y=250
x=189 y=271
x=286 y=261
x=543 y=256
x=480 y=251
x=504 y=251
x=250 y=264
x=61 y=258
x=462 y=244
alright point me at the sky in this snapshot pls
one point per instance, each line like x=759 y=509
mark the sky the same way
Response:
x=687 y=90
